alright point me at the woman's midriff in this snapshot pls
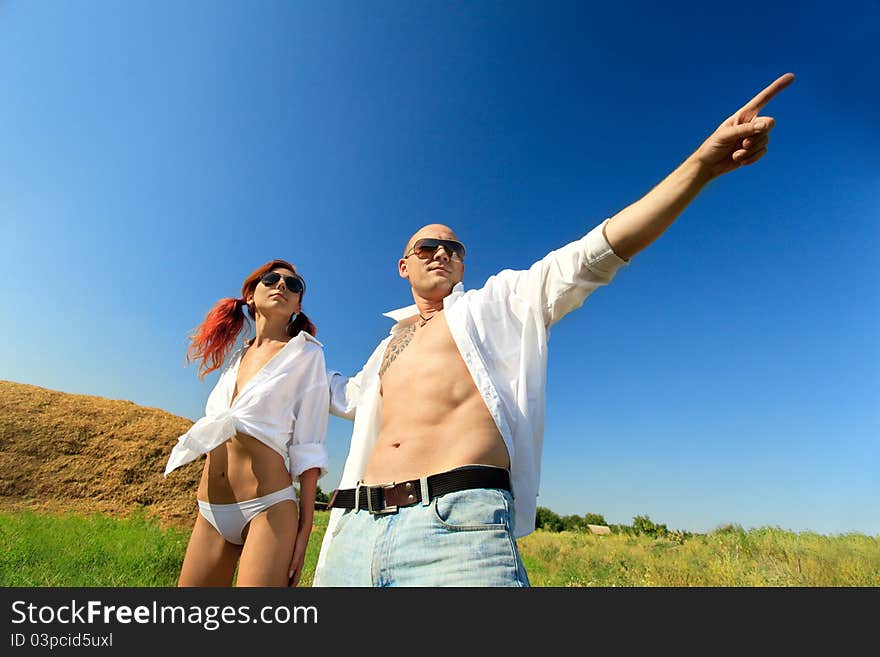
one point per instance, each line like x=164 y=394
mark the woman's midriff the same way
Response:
x=242 y=468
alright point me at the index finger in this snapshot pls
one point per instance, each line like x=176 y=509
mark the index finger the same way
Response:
x=764 y=97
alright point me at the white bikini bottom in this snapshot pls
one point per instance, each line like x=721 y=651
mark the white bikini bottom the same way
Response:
x=231 y=519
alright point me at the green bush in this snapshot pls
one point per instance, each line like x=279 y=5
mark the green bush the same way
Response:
x=645 y=526
x=548 y=520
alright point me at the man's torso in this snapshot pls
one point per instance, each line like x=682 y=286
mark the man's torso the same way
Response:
x=433 y=417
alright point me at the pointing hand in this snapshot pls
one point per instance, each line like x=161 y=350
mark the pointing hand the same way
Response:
x=742 y=138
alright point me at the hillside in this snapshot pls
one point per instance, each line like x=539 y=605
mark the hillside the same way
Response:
x=66 y=452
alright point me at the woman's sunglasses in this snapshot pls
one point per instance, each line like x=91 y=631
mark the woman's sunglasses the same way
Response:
x=426 y=248
x=292 y=283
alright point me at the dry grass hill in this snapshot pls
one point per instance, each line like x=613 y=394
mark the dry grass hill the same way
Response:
x=65 y=452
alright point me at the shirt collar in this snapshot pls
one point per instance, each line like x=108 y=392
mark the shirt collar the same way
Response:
x=309 y=337
x=401 y=314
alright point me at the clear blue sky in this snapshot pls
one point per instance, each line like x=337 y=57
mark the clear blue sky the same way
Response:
x=152 y=154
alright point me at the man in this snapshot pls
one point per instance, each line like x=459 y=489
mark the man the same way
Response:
x=442 y=473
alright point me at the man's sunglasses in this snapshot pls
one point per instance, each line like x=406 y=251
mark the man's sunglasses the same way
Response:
x=292 y=283
x=426 y=248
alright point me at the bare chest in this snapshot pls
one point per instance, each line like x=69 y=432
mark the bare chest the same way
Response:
x=253 y=360
x=419 y=352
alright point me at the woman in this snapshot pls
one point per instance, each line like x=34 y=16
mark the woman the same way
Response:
x=264 y=432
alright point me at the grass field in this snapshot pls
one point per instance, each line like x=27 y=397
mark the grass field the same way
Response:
x=96 y=550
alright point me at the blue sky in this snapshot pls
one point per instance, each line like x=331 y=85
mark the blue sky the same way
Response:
x=154 y=153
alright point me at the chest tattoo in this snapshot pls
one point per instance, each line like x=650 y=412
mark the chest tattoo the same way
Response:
x=396 y=346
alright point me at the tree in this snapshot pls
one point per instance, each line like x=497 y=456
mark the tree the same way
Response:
x=547 y=520
x=573 y=523
x=594 y=519
x=644 y=525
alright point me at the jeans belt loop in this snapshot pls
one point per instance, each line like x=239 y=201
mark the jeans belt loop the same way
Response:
x=357 y=496
x=425 y=498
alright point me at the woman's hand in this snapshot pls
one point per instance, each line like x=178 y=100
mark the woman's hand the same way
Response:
x=308 y=482
x=299 y=555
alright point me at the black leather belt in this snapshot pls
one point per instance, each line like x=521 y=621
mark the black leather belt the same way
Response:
x=387 y=498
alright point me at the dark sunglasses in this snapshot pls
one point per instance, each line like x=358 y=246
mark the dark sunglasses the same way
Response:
x=426 y=248
x=292 y=283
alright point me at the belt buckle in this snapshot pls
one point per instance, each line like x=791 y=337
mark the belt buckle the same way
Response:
x=386 y=509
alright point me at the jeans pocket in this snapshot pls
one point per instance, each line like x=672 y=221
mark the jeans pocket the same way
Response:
x=343 y=520
x=473 y=510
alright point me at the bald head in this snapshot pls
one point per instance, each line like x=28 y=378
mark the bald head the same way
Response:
x=431 y=230
x=434 y=271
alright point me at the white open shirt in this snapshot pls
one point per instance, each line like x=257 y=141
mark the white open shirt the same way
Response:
x=284 y=405
x=501 y=331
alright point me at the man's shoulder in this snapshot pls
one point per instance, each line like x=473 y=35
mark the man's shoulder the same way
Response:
x=499 y=283
x=377 y=353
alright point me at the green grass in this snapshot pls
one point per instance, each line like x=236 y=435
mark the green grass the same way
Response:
x=74 y=550
x=96 y=550
x=730 y=557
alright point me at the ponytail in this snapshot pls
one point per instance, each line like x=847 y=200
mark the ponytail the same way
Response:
x=301 y=323
x=211 y=341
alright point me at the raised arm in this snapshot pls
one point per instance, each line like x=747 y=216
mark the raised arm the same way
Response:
x=739 y=141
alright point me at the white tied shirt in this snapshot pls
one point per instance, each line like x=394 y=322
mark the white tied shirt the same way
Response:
x=501 y=331
x=284 y=405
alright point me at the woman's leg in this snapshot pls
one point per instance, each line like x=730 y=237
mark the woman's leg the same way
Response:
x=268 y=546
x=210 y=559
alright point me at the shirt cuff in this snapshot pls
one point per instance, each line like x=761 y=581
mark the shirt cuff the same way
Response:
x=305 y=456
x=600 y=257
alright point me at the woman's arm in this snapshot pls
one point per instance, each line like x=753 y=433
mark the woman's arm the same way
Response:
x=308 y=484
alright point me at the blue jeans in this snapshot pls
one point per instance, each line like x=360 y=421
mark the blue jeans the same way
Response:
x=459 y=539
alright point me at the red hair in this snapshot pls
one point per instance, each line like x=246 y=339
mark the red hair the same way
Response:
x=214 y=337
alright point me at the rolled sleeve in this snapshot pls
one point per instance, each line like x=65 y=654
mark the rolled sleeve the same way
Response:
x=308 y=445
